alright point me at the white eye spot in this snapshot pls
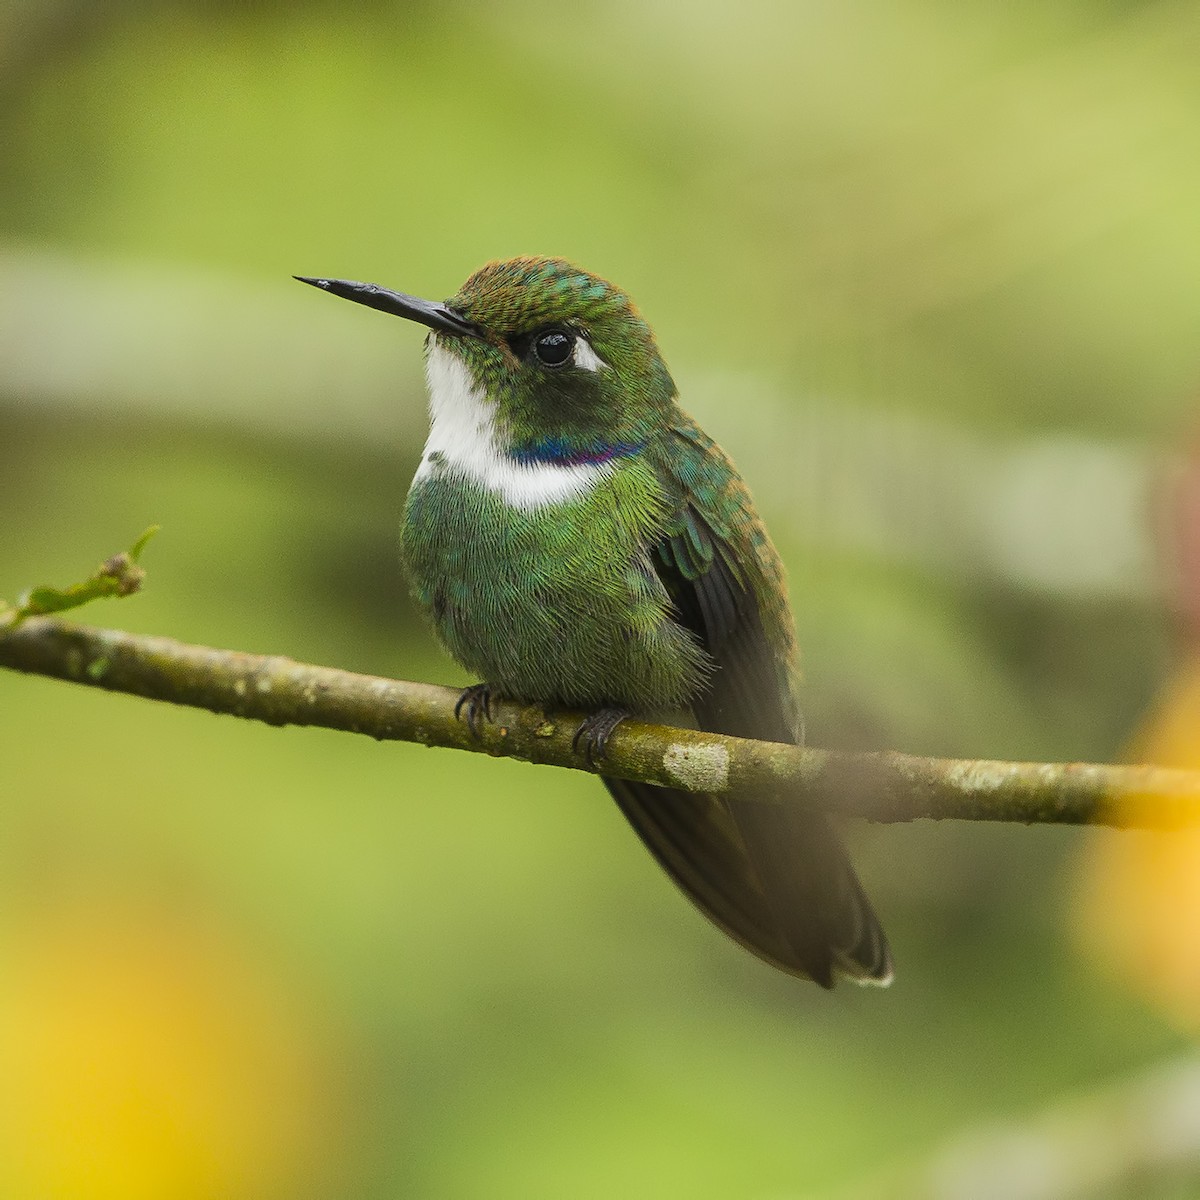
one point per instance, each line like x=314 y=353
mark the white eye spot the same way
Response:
x=586 y=359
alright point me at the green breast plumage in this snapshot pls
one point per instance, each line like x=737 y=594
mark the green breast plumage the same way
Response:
x=557 y=602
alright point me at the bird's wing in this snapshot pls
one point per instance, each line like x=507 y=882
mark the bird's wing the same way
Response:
x=772 y=876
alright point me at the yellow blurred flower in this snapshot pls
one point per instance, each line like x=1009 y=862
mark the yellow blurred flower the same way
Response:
x=1137 y=910
x=142 y=1055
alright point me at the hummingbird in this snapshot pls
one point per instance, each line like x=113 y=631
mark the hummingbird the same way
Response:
x=576 y=540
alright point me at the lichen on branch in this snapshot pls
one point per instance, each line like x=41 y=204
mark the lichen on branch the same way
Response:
x=885 y=786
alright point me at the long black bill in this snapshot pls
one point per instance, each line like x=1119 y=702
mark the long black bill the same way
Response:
x=426 y=312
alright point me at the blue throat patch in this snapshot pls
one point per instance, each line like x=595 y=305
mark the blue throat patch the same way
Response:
x=557 y=453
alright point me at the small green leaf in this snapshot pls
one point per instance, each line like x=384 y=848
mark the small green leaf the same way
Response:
x=117 y=576
x=135 y=551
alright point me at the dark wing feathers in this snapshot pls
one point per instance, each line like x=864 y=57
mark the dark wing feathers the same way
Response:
x=774 y=878
x=699 y=574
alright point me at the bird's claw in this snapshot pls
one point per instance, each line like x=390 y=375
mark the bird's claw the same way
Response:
x=477 y=700
x=592 y=736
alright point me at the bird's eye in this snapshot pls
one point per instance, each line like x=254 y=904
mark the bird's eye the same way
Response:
x=553 y=347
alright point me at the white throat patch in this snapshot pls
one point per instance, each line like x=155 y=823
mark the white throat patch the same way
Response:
x=462 y=441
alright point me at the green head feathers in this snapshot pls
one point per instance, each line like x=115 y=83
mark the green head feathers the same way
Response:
x=521 y=294
x=564 y=357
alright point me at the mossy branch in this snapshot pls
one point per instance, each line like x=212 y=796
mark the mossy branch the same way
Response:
x=880 y=787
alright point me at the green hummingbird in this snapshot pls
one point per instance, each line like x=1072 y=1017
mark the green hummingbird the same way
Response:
x=577 y=540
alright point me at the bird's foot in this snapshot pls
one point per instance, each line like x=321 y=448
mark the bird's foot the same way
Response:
x=592 y=736
x=477 y=701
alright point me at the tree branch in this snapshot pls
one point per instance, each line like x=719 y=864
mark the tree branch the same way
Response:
x=885 y=786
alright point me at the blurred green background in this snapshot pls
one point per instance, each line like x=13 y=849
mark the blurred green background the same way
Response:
x=930 y=272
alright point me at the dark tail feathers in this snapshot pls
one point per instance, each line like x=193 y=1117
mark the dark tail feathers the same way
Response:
x=774 y=879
